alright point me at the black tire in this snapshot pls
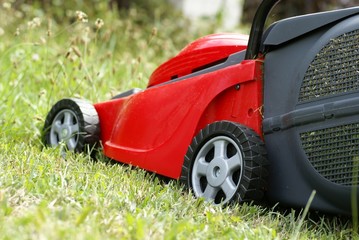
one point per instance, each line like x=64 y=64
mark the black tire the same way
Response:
x=226 y=162
x=74 y=122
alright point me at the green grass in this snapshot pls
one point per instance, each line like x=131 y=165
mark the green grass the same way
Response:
x=43 y=196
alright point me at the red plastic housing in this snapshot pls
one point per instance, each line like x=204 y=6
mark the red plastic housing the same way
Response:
x=152 y=129
x=202 y=53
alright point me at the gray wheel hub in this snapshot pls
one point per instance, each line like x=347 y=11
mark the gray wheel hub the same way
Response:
x=217 y=169
x=65 y=128
x=217 y=172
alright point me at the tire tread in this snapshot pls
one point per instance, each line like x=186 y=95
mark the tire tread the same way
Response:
x=254 y=179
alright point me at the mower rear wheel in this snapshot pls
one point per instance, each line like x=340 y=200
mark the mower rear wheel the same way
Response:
x=73 y=122
x=225 y=163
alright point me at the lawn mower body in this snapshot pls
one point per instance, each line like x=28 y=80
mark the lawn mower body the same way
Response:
x=296 y=86
x=153 y=128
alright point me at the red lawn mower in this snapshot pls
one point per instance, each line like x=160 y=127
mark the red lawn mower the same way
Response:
x=272 y=116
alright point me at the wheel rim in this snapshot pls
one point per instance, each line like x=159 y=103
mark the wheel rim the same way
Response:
x=217 y=170
x=65 y=128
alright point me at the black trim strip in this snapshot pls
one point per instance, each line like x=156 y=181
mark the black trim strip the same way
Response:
x=233 y=59
x=312 y=114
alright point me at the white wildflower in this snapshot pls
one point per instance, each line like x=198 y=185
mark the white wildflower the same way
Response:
x=81 y=16
x=36 y=22
x=6 y=5
x=17 y=32
x=35 y=57
x=99 y=23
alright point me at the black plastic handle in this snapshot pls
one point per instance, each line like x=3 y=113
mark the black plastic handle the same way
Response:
x=257 y=29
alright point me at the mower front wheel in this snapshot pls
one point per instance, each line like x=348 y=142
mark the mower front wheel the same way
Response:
x=225 y=163
x=73 y=122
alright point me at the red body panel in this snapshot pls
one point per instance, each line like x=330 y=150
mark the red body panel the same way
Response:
x=153 y=129
x=199 y=54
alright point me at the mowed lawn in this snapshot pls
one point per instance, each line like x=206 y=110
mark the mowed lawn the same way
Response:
x=49 y=55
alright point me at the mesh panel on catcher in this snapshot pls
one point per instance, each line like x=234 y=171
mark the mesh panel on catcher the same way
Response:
x=334 y=70
x=334 y=152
